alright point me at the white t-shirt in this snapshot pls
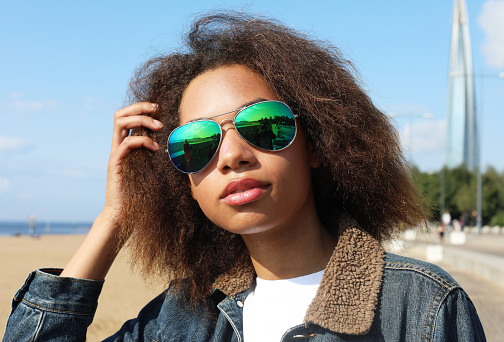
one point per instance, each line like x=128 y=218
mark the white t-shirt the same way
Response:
x=446 y=218
x=274 y=306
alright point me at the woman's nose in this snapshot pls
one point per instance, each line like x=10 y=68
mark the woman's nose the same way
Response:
x=234 y=152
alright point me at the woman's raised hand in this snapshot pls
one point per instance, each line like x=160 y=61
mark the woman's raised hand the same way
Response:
x=133 y=116
x=98 y=251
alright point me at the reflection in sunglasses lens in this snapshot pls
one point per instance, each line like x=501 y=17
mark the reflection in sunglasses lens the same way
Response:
x=192 y=146
x=268 y=125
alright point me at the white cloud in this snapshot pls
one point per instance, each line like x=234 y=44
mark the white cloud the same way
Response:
x=425 y=136
x=4 y=184
x=27 y=107
x=24 y=196
x=16 y=95
x=69 y=172
x=19 y=106
x=14 y=144
x=428 y=141
x=491 y=21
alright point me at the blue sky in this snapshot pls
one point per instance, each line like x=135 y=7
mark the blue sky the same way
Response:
x=65 y=66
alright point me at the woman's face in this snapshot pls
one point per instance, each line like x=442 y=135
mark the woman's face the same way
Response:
x=246 y=190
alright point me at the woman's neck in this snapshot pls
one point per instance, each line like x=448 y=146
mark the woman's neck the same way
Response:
x=299 y=247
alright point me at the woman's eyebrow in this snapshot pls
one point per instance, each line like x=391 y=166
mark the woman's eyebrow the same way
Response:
x=250 y=103
x=247 y=104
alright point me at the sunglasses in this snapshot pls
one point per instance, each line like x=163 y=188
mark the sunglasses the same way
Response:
x=268 y=125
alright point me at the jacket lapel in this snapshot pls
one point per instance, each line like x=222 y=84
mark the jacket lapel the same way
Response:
x=348 y=293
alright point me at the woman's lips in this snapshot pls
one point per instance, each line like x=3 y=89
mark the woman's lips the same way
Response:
x=242 y=191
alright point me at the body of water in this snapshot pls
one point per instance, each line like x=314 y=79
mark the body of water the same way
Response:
x=42 y=228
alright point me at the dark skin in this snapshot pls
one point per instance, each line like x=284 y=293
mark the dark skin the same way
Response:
x=282 y=219
x=275 y=219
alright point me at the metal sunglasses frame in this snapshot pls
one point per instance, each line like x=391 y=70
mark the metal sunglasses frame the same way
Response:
x=238 y=111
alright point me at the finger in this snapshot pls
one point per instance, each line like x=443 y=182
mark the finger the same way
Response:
x=123 y=125
x=132 y=142
x=133 y=116
x=130 y=122
x=136 y=109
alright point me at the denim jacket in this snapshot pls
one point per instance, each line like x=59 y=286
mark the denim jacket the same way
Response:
x=365 y=295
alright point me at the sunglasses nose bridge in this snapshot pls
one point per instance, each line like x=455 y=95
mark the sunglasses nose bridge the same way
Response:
x=224 y=130
x=224 y=121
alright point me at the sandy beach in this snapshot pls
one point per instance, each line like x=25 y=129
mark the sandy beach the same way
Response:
x=123 y=295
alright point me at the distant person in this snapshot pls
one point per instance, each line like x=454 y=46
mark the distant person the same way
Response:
x=32 y=223
x=463 y=220
x=445 y=224
x=265 y=137
x=187 y=153
x=264 y=245
x=456 y=225
x=474 y=218
x=446 y=220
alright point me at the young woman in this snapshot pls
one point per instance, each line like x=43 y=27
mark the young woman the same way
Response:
x=260 y=176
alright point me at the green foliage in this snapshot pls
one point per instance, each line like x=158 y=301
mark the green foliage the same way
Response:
x=455 y=190
x=429 y=185
x=493 y=193
x=465 y=197
x=498 y=219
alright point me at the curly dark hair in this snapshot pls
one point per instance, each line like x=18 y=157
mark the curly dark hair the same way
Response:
x=362 y=171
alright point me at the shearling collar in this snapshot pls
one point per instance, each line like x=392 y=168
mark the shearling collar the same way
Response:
x=348 y=293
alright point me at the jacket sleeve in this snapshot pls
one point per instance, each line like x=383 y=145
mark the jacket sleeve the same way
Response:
x=52 y=308
x=458 y=320
x=144 y=327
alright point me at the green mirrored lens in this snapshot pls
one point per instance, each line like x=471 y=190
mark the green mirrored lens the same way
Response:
x=193 y=145
x=268 y=125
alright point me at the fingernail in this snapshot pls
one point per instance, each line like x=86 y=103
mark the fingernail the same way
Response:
x=158 y=123
x=155 y=105
x=156 y=145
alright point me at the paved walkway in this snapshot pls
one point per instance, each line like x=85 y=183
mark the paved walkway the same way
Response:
x=488 y=298
x=486 y=294
x=488 y=244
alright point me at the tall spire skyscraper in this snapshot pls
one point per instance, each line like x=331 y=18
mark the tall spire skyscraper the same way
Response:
x=463 y=138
